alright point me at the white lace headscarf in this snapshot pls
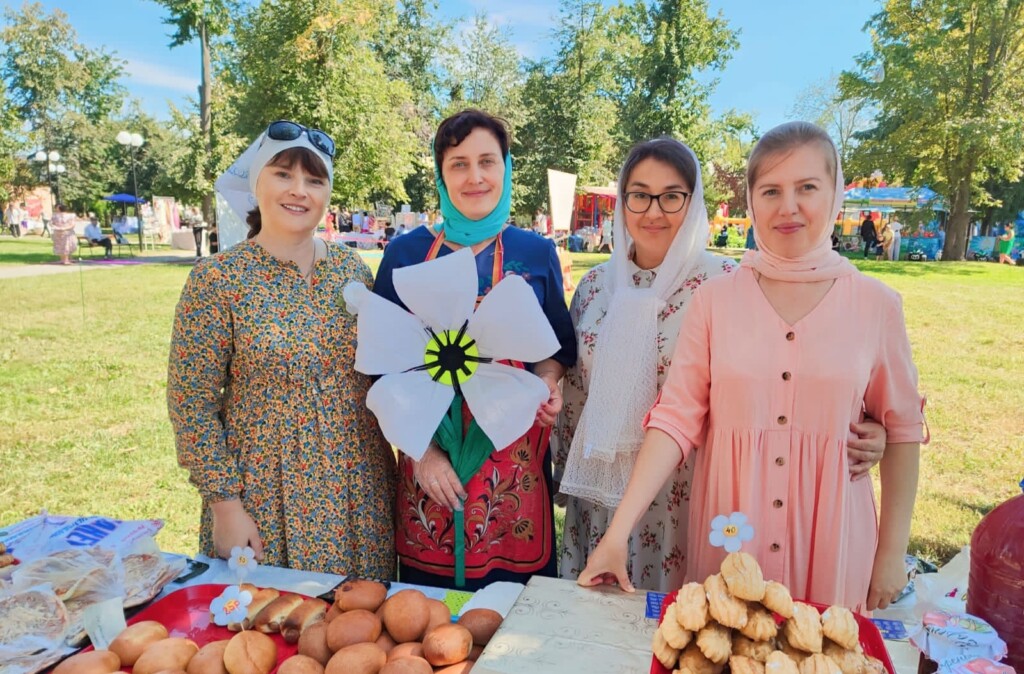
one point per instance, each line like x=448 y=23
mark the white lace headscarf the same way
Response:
x=624 y=378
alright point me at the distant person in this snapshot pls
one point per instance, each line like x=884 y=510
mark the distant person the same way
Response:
x=897 y=240
x=835 y=242
x=540 y=222
x=723 y=237
x=606 y=232
x=194 y=219
x=941 y=236
x=869 y=235
x=12 y=219
x=98 y=238
x=1006 y=245
x=751 y=243
x=214 y=242
x=885 y=242
x=63 y=232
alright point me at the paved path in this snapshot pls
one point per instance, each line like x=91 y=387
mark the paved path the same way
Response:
x=91 y=264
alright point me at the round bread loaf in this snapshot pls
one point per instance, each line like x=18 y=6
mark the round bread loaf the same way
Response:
x=332 y=613
x=482 y=623
x=407 y=665
x=406 y=614
x=300 y=664
x=475 y=652
x=460 y=668
x=440 y=614
x=408 y=649
x=173 y=653
x=360 y=593
x=313 y=642
x=365 y=658
x=93 y=662
x=447 y=645
x=172 y=671
x=250 y=652
x=134 y=639
x=352 y=627
x=209 y=659
x=385 y=641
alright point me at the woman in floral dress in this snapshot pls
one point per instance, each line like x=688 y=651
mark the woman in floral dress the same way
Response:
x=268 y=412
x=62 y=229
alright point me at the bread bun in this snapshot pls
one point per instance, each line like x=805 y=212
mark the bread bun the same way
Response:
x=172 y=671
x=482 y=623
x=460 y=668
x=360 y=593
x=385 y=641
x=134 y=639
x=260 y=599
x=271 y=619
x=447 y=645
x=406 y=614
x=173 y=653
x=209 y=659
x=93 y=662
x=408 y=649
x=250 y=652
x=310 y=611
x=313 y=642
x=357 y=659
x=407 y=665
x=440 y=614
x=333 y=612
x=475 y=652
x=352 y=627
x=300 y=664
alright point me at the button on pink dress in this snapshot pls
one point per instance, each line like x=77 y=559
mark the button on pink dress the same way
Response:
x=769 y=406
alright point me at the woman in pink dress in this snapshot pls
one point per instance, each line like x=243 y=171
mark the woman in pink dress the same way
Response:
x=62 y=228
x=803 y=345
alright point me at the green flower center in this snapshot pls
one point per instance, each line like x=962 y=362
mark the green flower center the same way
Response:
x=451 y=357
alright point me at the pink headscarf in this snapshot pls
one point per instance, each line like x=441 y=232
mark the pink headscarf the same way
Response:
x=820 y=263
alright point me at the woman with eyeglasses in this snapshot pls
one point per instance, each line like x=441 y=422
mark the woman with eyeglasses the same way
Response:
x=627 y=313
x=507 y=505
x=268 y=411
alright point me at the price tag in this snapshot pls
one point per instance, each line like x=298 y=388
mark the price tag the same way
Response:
x=654 y=600
x=891 y=629
x=104 y=621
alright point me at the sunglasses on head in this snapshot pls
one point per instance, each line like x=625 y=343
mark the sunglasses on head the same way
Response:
x=283 y=129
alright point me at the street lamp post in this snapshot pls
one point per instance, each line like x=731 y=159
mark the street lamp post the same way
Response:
x=50 y=159
x=132 y=141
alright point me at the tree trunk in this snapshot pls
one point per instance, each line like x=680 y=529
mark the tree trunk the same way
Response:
x=204 y=122
x=957 y=233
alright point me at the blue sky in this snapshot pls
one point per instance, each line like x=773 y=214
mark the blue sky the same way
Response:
x=778 y=57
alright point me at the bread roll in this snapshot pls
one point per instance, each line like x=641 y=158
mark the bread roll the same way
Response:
x=260 y=599
x=333 y=612
x=172 y=671
x=93 y=662
x=271 y=618
x=405 y=615
x=447 y=645
x=300 y=664
x=385 y=642
x=407 y=665
x=475 y=652
x=173 y=653
x=482 y=623
x=305 y=614
x=440 y=614
x=352 y=627
x=209 y=659
x=360 y=593
x=250 y=652
x=409 y=648
x=357 y=659
x=313 y=642
x=252 y=590
x=134 y=639
x=460 y=668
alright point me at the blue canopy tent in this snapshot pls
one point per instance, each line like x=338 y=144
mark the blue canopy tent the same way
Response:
x=124 y=199
x=888 y=200
x=128 y=227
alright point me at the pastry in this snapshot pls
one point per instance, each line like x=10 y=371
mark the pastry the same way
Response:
x=675 y=636
x=743 y=577
x=360 y=593
x=482 y=623
x=405 y=615
x=692 y=661
x=357 y=659
x=780 y=663
x=209 y=659
x=777 y=598
x=447 y=645
x=839 y=625
x=848 y=661
x=875 y=665
x=758 y=650
x=692 y=607
x=819 y=664
x=134 y=639
x=260 y=598
x=93 y=662
x=741 y=664
x=352 y=627
x=803 y=630
x=722 y=606
x=305 y=614
x=173 y=653
x=271 y=619
x=715 y=642
x=665 y=654
x=760 y=623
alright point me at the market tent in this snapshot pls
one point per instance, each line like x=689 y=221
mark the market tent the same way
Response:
x=871 y=198
x=124 y=199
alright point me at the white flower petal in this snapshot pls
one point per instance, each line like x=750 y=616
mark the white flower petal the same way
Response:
x=504 y=401
x=409 y=407
x=441 y=293
x=390 y=338
x=509 y=323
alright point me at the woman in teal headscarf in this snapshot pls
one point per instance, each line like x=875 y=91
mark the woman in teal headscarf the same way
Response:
x=502 y=499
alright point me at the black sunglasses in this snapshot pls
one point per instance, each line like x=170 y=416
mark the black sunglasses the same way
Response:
x=284 y=129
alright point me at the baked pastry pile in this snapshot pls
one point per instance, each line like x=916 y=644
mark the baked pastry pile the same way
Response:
x=729 y=621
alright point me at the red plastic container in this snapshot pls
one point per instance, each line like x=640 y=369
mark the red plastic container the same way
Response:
x=995 y=588
x=870 y=638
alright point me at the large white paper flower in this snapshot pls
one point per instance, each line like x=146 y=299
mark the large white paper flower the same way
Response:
x=443 y=345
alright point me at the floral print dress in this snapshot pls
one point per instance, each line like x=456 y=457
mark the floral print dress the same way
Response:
x=267 y=407
x=657 y=548
x=62 y=230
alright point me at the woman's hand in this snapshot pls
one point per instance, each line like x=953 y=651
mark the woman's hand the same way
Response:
x=866 y=449
x=233 y=527
x=435 y=475
x=607 y=565
x=547 y=413
x=888 y=578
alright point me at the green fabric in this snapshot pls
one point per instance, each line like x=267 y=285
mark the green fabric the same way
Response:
x=467 y=452
x=1006 y=246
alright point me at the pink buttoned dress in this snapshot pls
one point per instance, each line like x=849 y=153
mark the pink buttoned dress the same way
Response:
x=768 y=407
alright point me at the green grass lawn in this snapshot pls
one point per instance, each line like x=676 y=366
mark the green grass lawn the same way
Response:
x=84 y=429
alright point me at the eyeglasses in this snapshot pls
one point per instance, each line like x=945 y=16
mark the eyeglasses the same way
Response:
x=668 y=202
x=283 y=129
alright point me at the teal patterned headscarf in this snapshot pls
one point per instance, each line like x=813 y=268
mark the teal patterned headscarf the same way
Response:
x=465 y=232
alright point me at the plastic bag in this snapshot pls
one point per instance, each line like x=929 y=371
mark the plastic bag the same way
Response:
x=46 y=534
x=33 y=624
x=945 y=590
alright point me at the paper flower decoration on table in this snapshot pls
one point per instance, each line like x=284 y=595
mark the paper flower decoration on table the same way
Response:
x=231 y=606
x=730 y=532
x=441 y=348
x=242 y=561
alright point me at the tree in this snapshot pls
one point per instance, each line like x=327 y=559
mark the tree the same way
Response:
x=948 y=102
x=843 y=118
x=484 y=72
x=203 y=20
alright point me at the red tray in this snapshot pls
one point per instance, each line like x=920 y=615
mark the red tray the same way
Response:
x=186 y=613
x=870 y=638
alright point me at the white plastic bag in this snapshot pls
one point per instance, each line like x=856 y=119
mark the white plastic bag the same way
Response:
x=945 y=590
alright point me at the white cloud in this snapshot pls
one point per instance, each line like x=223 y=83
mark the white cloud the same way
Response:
x=155 y=75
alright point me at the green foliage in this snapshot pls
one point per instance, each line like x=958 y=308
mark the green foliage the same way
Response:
x=189 y=18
